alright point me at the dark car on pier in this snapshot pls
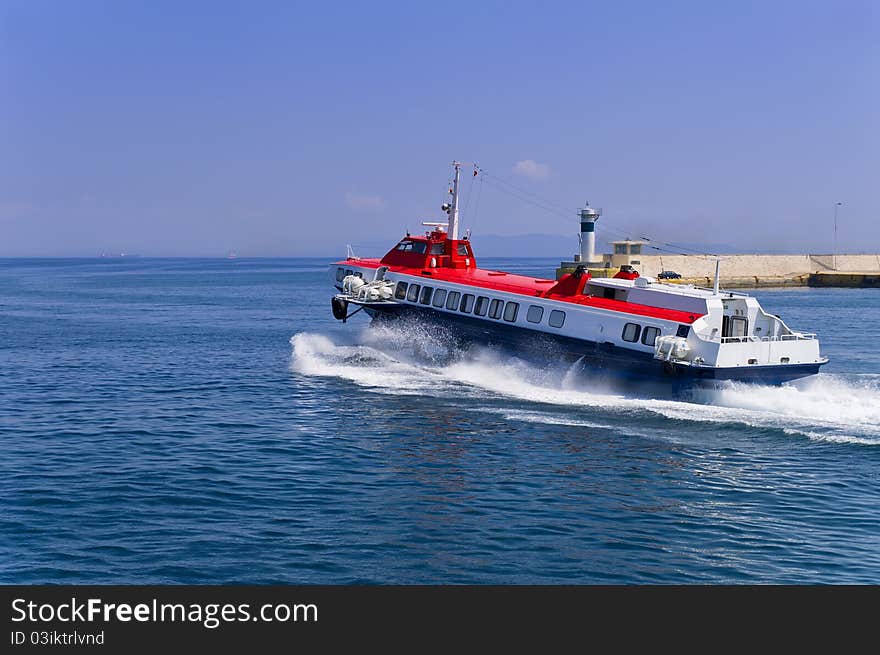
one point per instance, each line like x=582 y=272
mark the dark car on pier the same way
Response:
x=669 y=275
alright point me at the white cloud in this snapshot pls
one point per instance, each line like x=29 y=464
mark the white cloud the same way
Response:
x=532 y=169
x=364 y=203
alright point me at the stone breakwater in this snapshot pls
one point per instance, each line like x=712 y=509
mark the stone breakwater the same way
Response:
x=761 y=266
x=820 y=279
x=747 y=281
x=755 y=271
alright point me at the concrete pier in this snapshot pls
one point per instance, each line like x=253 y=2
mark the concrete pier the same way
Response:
x=752 y=265
x=750 y=271
x=843 y=279
x=747 y=281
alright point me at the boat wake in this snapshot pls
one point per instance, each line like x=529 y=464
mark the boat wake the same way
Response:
x=824 y=408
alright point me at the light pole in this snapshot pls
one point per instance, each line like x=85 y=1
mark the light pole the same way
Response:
x=834 y=259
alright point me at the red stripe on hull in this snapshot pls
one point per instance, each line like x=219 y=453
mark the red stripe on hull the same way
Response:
x=526 y=286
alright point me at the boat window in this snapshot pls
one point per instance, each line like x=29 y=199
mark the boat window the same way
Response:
x=358 y=274
x=400 y=291
x=462 y=249
x=511 y=309
x=739 y=326
x=380 y=273
x=608 y=293
x=683 y=331
x=452 y=300
x=439 y=297
x=481 y=306
x=438 y=248
x=418 y=247
x=496 y=308
x=348 y=272
x=426 y=295
x=467 y=303
x=340 y=273
x=557 y=319
x=535 y=314
x=649 y=335
x=413 y=294
x=631 y=332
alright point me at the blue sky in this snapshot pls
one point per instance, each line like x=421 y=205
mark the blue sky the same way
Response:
x=284 y=128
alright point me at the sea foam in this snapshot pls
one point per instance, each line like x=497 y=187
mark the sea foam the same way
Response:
x=823 y=408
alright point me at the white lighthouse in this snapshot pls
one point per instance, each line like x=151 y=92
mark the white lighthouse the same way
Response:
x=588 y=217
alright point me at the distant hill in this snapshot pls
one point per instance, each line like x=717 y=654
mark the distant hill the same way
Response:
x=534 y=245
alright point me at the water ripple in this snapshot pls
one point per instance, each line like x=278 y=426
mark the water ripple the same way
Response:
x=159 y=425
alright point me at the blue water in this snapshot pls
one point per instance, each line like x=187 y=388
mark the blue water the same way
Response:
x=207 y=421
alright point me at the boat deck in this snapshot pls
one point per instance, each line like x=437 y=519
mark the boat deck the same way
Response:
x=526 y=286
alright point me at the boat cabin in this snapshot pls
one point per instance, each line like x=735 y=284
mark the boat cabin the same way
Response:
x=433 y=250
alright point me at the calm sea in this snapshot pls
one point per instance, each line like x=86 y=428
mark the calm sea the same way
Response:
x=207 y=421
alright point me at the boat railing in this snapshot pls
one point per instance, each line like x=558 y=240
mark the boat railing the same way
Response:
x=794 y=336
x=724 y=293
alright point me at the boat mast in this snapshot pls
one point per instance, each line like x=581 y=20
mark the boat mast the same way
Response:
x=452 y=212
